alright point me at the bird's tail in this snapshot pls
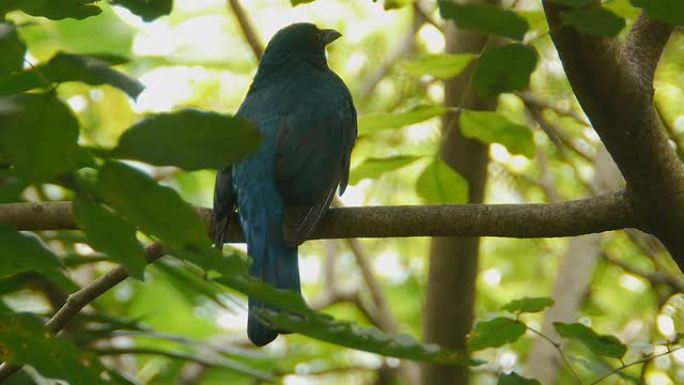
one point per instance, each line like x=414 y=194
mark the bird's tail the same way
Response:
x=273 y=263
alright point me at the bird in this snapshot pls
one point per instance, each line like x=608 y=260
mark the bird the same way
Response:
x=308 y=122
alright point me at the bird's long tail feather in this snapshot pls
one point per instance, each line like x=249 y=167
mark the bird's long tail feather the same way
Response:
x=274 y=263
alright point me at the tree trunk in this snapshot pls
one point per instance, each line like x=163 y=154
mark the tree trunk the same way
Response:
x=453 y=261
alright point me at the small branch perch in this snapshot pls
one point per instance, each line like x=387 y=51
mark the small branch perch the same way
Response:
x=592 y=215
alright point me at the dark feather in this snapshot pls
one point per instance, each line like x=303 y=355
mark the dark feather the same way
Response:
x=224 y=206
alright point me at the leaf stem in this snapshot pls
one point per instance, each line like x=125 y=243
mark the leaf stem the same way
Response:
x=557 y=345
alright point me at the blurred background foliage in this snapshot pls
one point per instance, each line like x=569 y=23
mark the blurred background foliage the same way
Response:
x=173 y=328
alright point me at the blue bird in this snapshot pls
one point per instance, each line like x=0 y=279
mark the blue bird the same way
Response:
x=306 y=116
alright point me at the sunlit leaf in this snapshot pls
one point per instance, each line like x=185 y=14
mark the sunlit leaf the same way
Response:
x=365 y=339
x=484 y=18
x=63 y=67
x=601 y=344
x=53 y=9
x=504 y=68
x=494 y=333
x=110 y=234
x=594 y=21
x=155 y=209
x=528 y=305
x=20 y=253
x=13 y=50
x=189 y=139
x=669 y=11
x=442 y=66
x=147 y=9
x=40 y=139
x=491 y=127
x=298 y=317
x=574 y=3
x=371 y=123
x=441 y=184
x=373 y=168
x=395 y=4
x=515 y=379
x=24 y=340
x=536 y=20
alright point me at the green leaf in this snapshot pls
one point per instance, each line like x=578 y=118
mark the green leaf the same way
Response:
x=22 y=253
x=53 y=9
x=12 y=48
x=494 y=333
x=441 y=184
x=484 y=18
x=669 y=11
x=594 y=21
x=189 y=139
x=64 y=67
x=575 y=3
x=155 y=209
x=491 y=127
x=40 y=139
x=365 y=339
x=288 y=300
x=515 y=379
x=504 y=68
x=297 y=2
x=373 y=168
x=528 y=305
x=442 y=66
x=110 y=234
x=396 y=4
x=25 y=340
x=601 y=344
x=147 y=9
x=372 y=123
x=299 y=318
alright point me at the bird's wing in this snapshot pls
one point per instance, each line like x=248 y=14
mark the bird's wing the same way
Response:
x=224 y=205
x=311 y=159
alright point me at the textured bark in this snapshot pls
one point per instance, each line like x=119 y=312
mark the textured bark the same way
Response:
x=453 y=261
x=603 y=213
x=572 y=284
x=613 y=82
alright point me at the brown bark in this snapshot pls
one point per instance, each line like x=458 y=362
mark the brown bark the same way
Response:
x=453 y=261
x=613 y=82
x=603 y=213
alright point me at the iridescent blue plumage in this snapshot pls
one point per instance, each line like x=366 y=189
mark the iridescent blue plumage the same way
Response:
x=306 y=116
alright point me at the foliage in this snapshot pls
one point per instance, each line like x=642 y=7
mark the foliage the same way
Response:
x=122 y=107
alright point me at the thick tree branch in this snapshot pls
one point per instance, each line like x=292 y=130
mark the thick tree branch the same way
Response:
x=80 y=299
x=593 y=215
x=614 y=84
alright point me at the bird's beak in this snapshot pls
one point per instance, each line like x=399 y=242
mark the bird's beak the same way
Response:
x=329 y=35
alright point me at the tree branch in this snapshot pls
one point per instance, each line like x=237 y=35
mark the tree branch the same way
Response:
x=80 y=299
x=613 y=82
x=592 y=215
x=247 y=29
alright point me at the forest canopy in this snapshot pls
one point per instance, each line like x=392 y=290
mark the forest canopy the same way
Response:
x=513 y=212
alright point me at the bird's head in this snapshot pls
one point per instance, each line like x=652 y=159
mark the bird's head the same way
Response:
x=300 y=41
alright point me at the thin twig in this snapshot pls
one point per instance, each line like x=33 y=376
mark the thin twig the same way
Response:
x=655 y=278
x=247 y=28
x=80 y=299
x=557 y=345
x=406 y=46
x=198 y=358
x=641 y=361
